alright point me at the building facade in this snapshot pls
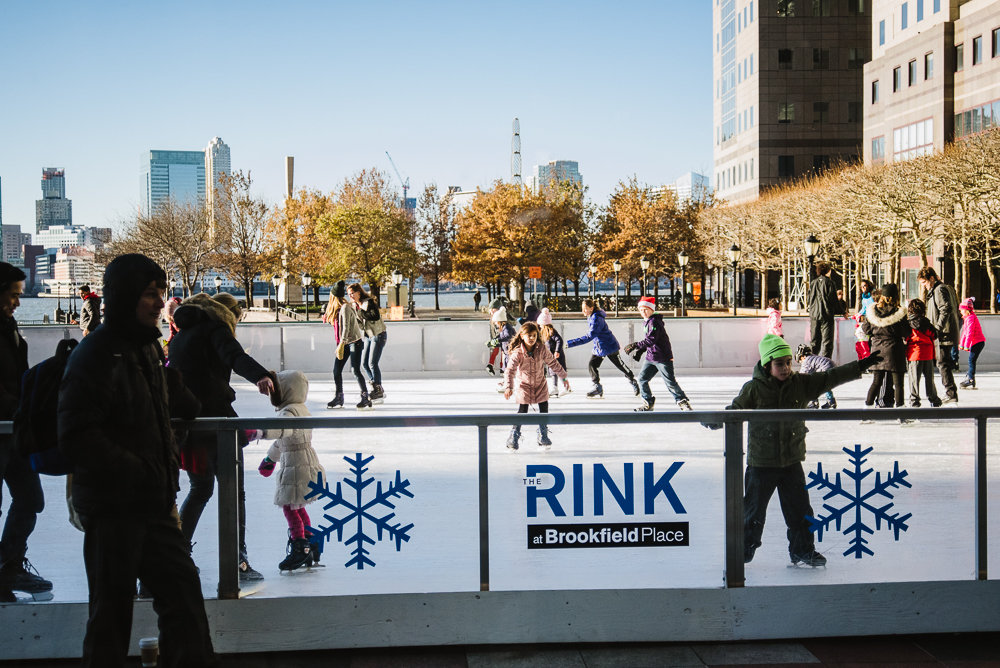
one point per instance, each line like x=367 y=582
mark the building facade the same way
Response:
x=178 y=176
x=690 y=186
x=53 y=208
x=217 y=163
x=61 y=236
x=787 y=89
x=556 y=172
x=13 y=241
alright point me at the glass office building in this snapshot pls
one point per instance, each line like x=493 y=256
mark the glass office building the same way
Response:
x=173 y=175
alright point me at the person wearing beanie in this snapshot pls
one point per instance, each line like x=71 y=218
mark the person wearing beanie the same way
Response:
x=776 y=450
x=942 y=311
x=888 y=329
x=659 y=358
x=23 y=483
x=972 y=340
x=554 y=341
x=495 y=334
x=115 y=404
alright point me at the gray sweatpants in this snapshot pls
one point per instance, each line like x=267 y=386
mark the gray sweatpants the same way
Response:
x=916 y=369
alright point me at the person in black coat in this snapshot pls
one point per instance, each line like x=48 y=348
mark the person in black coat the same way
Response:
x=26 y=498
x=206 y=353
x=115 y=404
x=822 y=309
x=888 y=327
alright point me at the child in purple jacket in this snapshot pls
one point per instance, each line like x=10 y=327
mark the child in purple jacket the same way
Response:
x=810 y=363
x=659 y=358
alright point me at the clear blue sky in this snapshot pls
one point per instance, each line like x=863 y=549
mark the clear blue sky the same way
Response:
x=622 y=87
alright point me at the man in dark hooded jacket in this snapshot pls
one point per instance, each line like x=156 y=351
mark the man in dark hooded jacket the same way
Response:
x=114 y=425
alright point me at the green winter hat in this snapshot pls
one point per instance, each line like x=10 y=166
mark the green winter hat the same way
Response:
x=772 y=347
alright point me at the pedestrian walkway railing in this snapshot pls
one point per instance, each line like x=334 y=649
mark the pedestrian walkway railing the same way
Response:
x=731 y=423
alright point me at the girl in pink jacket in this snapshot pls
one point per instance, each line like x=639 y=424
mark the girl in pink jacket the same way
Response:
x=972 y=340
x=774 y=317
x=527 y=362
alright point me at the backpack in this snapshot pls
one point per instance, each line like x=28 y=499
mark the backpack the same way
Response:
x=35 y=429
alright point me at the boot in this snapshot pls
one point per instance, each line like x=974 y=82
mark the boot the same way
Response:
x=299 y=554
x=515 y=436
x=365 y=404
x=247 y=572
x=543 y=436
x=635 y=385
x=377 y=395
x=338 y=401
x=647 y=405
x=490 y=370
x=969 y=384
x=20 y=575
x=810 y=558
x=597 y=392
x=684 y=405
x=829 y=404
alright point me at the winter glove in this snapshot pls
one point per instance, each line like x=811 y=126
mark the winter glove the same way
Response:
x=493 y=343
x=637 y=355
x=714 y=426
x=630 y=347
x=266 y=467
x=870 y=361
x=254 y=434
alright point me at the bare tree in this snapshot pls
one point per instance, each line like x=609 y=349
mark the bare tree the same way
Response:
x=436 y=230
x=241 y=232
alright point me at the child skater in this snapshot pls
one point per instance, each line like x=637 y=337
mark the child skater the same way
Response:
x=920 y=354
x=299 y=464
x=659 y=358
x=774 y=317
x=809 y=364
x=527 y=362
x=972 y=340
x=605 y=345
x=775 y=451
x=555 y=344
x=503 y=332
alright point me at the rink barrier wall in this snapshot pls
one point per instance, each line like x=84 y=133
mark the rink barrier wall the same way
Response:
x=733 y=612
x=720 y=345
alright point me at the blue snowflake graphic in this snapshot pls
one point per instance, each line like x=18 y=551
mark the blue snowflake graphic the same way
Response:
x=359 y=511
x=858 y=502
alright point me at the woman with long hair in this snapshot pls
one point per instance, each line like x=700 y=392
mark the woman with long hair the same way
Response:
x=375 y=337
x=343 y=316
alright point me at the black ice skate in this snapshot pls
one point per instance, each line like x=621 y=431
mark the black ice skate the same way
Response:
x=21 y=576
x=490 y=370
x=812 y=558
x=543 y=437
x=813 y=404
x=377 y=395
x=969 y=384
x=247 y=572
x=299 y=555
x=829 y=405
x=635 y=385
x=597 y=392
x=647 y=405
x=338 y=401
x=365 y=404
x=515 y=436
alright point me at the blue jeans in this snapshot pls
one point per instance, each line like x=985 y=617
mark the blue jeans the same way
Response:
x=665 y=369
x=974 y=353
x=371 y=355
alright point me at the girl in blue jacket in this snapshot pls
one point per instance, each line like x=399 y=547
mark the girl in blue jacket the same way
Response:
x=605 y=345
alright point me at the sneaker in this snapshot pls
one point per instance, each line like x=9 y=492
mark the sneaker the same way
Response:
x=647 y=405
x=684 y=405
x=597 y=392
x=22 y=576
x=635 y=385
x=247 y=572
x=812 y=558
x=490 y=370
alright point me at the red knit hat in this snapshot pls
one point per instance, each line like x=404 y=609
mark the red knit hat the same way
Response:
x=648 y=302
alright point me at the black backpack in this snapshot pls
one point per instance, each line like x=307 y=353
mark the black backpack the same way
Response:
x=35 y=429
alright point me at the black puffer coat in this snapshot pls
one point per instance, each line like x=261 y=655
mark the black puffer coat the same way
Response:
x=13 y=364
x=889 y=331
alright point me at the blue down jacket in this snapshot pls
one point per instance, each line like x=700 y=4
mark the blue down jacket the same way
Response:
x=605 y=342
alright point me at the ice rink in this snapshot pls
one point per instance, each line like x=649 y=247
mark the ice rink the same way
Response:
x=441 y=467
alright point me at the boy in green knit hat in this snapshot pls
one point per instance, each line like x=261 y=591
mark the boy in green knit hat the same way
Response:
x=776 y=449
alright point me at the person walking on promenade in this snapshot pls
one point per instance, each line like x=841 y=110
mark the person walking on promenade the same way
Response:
x=774 y=317
x=528 y=358
x=23 y=484
x=375 y=337
x=972 y=340
x=90 y=312
x=206 y=353
x=346 y=323
x=822 y=308
x=942 y=311
x=554 y=341
x=605 y=345
x=659 y=358
x=115 y=404
x=889 y=329
x=477 y=299
x=920 y=354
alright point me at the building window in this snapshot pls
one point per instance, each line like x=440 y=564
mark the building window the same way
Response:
x=928 y=66
x=855 y=59
x=751 y=116
x=878 y=149
x=751 y=11
x=959 y=57
x=786 y=112
x=821 y=7
x=821 y=112
x=855 y=7
x=821 y=59
x=920 y=10
x=913 y=140
x=854 y=112
x=903 y=16
x=912 y=73
x=744 y=17
x=751 y=63
x=784 y=59
x=897 y=79
x=875 y=91
x=751 y=168
x=786 y=8
x=977 y=50
x=716 y=42
x=881 y=33
x=995 y=50
x=786 y=166
x=937 y=6
x=821 y=162
x=976 y=120
x=739 y=23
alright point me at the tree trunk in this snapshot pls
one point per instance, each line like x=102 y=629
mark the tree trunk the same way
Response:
x=763 y=290
x=437 y=282
x=965 y=270
x=565 y=288
x=576 y=288
x=991 y=271
x=248 y=289
x=957 y=268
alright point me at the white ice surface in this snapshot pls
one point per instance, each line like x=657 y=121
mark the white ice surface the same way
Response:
x=441 y=464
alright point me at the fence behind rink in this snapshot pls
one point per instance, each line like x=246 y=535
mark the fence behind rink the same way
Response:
x=490 y=517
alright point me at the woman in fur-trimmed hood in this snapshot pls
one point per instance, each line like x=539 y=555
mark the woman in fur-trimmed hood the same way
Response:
x=888 y=327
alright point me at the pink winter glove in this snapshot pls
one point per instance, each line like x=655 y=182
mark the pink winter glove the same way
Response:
x=253 y=434
x=266 y=467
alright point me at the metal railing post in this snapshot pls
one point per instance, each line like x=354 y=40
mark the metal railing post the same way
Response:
x=735 y=574
x=981 y=495
x=229 y=519
x=484 y=513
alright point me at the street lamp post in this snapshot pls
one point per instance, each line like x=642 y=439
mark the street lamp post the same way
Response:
x=711 y=281
x=397 y=279
x=306 y=280
x=734 y=254
x=644 y=263
x=218 y=283
x=276 y=280
x=682 y=260
x=593 y=281
x=811 y=245
x=173 y=284
x=617 y=267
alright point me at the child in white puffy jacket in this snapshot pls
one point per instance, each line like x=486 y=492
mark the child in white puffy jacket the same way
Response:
x=299 y=465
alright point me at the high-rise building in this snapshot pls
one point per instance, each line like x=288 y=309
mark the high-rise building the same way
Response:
x=217 y=162
x=178 y=176
x=556 y=172
x=12 y=238
x=60 y=236
x=686 y=187
x=787 y=88
x=53 y=208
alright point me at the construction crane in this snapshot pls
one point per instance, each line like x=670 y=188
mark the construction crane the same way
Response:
x=405 y=184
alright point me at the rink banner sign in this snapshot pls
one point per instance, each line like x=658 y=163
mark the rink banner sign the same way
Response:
x=641 y=534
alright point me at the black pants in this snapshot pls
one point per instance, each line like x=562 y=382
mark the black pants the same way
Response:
x=790 y=481
x=202 y=488
x=117 y=550
x=352 y=354
x=597 y=360
x=26 y=501
x=886 y=389
x=822 y=337
x=947 y=364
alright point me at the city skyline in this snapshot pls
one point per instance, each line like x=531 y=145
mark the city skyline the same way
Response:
x=643 y=112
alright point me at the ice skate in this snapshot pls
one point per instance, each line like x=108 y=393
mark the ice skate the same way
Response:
x=490 y=370
x=21 y=576
x=299 y=555
x=813 y=404
x=635 y=386
x=543 y=437
x=684 y=405
x=515 y=436
x=377 y=395
x=811 y=558
x=647 y=405
x=597 y=392
x=500 y=387
x=365 y=404
x=829 y=405
x=338 y=401
x=950 y=401
x=247 y=572
x=969 y=384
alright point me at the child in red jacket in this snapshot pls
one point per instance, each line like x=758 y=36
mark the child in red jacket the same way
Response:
x=920 y=354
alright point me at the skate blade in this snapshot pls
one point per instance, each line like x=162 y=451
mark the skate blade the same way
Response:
x=333 y=408
x=378 y=401
x=600 y=397
x=366 y=408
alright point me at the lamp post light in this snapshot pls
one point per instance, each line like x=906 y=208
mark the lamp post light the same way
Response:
x=276 y=280
x=644 y=263
x=711 y=280
x=173 y=284
x=734 y=254
x=682 y=260
x=397 y=279
x=218 y=283
x=593 y=281
x=306 y=280
x=812 y=248
x=617 y=266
